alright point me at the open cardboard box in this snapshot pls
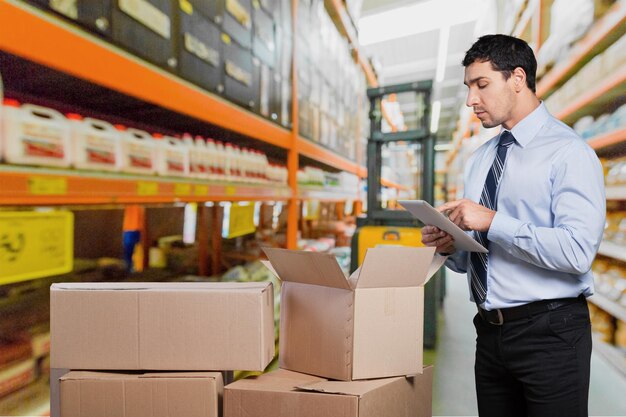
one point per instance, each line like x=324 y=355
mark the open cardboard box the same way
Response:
x=89 y=394
x=283 y=393
x=370 y=325
x=162 y=326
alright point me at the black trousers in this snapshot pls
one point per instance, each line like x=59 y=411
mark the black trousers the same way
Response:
x=537 y=366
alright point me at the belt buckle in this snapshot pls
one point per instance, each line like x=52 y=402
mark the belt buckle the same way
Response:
x=500 y=321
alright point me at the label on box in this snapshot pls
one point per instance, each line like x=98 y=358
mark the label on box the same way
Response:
x=239 y=13
x=186 y=6
x=201 y=50
x=147 y=14
x=42 y=141
x=34 y=245
x=238 y=73
x=65 y=7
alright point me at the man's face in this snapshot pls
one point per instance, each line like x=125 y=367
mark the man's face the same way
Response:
x=490 y=95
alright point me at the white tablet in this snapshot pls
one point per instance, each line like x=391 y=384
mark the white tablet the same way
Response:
x=428 y=215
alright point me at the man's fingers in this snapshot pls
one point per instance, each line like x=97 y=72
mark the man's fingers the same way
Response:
x=450 y=205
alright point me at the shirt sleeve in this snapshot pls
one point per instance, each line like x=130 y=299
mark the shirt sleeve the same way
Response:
x=578 y=207
x=457 y=262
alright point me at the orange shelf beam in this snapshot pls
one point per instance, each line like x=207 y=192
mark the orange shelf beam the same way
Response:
x=41 y=187
x=51 y=42
x=608 y=139
x=612 y=25
x=606 y=91
x=319 y=153
x=391 y=184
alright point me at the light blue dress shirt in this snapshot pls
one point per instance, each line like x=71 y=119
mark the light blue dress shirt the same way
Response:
x=550 y=214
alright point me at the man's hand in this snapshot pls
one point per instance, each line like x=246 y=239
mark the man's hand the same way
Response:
x=468 y=215
x=433 y=236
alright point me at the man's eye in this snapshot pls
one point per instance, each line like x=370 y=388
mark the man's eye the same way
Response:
x=481 y=86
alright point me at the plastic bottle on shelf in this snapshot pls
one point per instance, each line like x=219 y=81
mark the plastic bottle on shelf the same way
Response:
x=212 y=159
x=204 y=156
x=231 y=162
x=221 y=162
x=247 y=165
x=238 y=164
x=138 y=151
x=195 y=149
x=263 y=166
x=35 y=135
x=97 y=144
x=172 y=156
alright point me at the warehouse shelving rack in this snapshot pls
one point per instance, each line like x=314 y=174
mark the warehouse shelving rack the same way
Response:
x=36 y=37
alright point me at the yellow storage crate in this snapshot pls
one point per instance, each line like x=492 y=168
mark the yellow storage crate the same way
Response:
x=372 y=236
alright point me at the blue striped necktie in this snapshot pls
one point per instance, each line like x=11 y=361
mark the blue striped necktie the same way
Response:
x=479 y=261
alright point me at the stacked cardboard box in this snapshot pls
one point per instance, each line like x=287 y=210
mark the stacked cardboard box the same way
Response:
x=346 y=345
x=156 y=327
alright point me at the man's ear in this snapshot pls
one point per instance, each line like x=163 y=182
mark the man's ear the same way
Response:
x=519 y=79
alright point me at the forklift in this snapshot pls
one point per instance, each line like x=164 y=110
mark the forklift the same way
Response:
x=386 y=226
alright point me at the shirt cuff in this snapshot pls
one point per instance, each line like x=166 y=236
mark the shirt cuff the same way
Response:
x=503 y=229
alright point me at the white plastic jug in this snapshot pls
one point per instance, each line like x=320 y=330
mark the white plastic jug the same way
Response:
x=138 y=151
x=172 y=156
x=97 y=144
x=221 y=161
x=199 y=157
x=35 y=135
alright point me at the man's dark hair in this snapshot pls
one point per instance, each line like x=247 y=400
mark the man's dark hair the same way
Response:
x=505 y=54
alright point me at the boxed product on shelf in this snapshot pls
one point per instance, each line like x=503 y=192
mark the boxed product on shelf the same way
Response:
x=239 y=80
x=162 y=326
x=283 y=52
x=616 y=172
x=200 y=50
x=211 y=10
x=263 y=82
x=97 y=145
x=286 y=103
x=88 y=394
x=384 y=334
x=95 y=16
x=237 y=20
x=35 y=135
x=276 y=86
x=263 y=42
x=282 y=393
x=145 y=28
x=16 y=375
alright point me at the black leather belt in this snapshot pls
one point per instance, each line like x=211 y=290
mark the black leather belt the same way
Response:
x=504 y=315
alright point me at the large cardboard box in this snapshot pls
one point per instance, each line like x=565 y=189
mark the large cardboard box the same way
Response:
x=189 y=394
x=284 y=393
x=162 y=326
x=367 y=326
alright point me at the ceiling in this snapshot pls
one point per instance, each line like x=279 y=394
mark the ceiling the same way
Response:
x=415 y=56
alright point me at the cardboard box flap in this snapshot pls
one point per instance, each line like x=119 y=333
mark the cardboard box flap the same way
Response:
x=307 y=268
x=396 y=266
x=184 y=375
x=93 y=375
x=159 y=286
x=355 y=388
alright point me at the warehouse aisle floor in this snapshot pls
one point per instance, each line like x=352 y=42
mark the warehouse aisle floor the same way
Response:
x=453 y=387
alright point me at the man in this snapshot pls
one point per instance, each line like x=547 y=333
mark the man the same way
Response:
x=534 y=196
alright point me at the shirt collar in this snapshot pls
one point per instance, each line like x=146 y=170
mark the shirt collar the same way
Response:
x=527 y=128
